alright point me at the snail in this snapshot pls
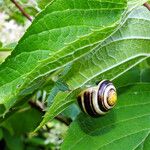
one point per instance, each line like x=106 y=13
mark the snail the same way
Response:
x=98 y=100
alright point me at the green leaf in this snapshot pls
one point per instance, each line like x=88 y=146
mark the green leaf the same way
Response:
x=112 y=59
x=126 y=48
x=5 y=50
x=30 y=10
x=57 y=87
x=61 y=34
x=71 y=112
x=145 y=144
x=125 y=127
x=3 y=56
x=22 y=121
x=8 y=47
x=13 y=142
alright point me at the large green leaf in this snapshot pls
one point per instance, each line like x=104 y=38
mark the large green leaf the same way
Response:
x=62 y=33
x=123 y=50
x=125 y=127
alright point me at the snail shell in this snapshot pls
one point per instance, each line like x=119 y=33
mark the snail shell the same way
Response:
x=97 y=101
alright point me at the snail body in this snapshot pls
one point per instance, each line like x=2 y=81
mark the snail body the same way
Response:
x=97 y=101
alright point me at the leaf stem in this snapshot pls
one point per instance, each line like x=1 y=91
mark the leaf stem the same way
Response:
x=21 y=10
x=5 y=49
x=147 y=5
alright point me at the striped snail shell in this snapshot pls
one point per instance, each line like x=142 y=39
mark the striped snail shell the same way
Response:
x=97 y=101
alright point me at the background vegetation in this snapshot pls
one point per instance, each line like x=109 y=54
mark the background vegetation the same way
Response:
x=71 y=45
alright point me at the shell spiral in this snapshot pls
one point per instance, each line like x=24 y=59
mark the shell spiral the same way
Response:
x=97 y=101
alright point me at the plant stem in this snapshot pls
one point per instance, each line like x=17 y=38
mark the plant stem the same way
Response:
x=147 y=5
x=5 y=49
x=21 y=10
x=64 y=120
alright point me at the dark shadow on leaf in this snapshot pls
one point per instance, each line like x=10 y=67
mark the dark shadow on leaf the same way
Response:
x=125 y=89
x=2 y=108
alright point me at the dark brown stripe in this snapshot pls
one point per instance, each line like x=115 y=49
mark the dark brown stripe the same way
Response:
x=88 y=108
x=101 y=89
x=101 y=106
x=80 y=103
